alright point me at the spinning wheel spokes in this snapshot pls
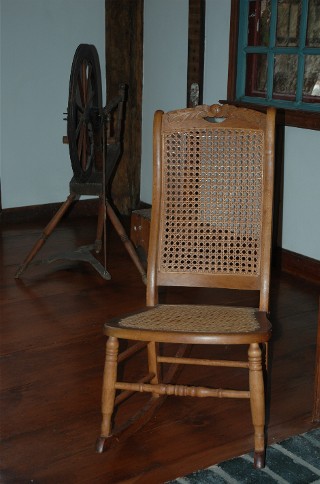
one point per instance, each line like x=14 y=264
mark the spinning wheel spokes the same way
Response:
x=84 y=82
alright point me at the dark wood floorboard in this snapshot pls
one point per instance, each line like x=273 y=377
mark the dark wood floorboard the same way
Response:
x=52 y=355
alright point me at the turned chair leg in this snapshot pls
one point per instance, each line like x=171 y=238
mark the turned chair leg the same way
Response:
x=154 y=366
x=257 y=401
x=108 y=391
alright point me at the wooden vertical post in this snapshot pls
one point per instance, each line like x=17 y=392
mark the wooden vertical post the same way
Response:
x=196 y=48
x=124 y=53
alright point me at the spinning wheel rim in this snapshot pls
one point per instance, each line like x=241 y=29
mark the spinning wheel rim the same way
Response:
x=84 y=127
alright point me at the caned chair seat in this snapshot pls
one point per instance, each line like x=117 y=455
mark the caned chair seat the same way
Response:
x=194 y=324
x=210 y=228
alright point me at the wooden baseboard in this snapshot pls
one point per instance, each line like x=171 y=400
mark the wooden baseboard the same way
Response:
x=298 y=265
x=42 y=213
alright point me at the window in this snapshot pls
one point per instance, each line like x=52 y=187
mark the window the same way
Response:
x=278 y=53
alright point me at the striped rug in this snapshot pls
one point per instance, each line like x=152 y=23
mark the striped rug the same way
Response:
x=293 y=461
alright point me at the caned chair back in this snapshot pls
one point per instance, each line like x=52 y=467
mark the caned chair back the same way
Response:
x=212 y=199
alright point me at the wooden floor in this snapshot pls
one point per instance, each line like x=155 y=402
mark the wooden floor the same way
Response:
x=52 y=354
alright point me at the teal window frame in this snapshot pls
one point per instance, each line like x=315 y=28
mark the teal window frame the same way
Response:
x=271 y=50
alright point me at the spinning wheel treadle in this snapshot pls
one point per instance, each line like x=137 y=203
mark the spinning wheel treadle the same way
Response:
x=95 y=141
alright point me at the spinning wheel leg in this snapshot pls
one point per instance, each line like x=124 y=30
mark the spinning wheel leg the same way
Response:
x=45 y=234
x=127 y=242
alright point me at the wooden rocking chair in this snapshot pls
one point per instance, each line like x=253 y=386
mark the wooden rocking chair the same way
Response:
x=210 y=227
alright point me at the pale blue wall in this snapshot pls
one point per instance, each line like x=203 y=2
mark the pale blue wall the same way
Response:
x=301 y=198
x=216 y=50
x=38 y=41
x=165 y=71
x=165 y=65
x=301 y=192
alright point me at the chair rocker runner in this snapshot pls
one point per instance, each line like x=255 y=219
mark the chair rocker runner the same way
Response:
x=210 y=227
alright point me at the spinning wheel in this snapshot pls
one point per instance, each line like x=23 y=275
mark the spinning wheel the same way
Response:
x=94 y=135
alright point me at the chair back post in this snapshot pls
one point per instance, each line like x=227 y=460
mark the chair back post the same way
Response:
x=152 y=290
x=267 y=209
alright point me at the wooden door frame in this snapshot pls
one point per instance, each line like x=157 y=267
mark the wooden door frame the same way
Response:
x=196 y=43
